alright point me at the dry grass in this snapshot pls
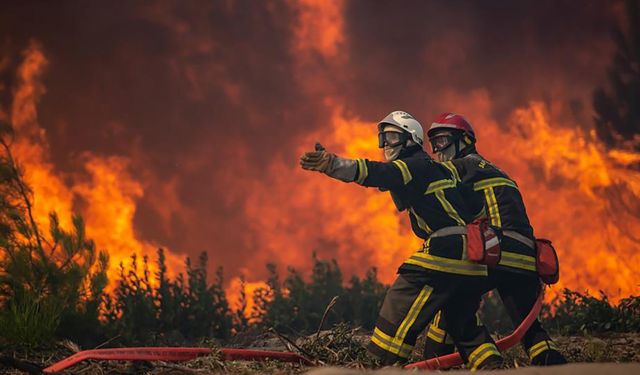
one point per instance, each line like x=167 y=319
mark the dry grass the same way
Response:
x=341 y=346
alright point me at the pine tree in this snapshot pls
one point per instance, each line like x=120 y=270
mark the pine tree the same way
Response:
x=240 y=320
x=45 y=277
x=617 y=109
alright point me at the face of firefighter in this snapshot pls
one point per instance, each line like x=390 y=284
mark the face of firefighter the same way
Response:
x=442 y=144
x=393 y=142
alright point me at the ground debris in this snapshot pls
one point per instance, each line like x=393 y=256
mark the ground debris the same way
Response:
x=340 y=346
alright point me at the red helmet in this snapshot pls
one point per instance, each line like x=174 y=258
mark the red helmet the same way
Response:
x=452 y=121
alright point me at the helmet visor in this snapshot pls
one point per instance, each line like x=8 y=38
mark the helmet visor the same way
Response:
x=391 y=138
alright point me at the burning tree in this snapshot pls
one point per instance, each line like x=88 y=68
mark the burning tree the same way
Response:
x=47 y=278
x=617 y=112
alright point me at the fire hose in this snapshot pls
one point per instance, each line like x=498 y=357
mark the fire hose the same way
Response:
x=174 y=354
x=454 y=359
x=185 y=354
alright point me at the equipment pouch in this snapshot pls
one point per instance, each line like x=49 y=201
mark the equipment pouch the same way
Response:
x=483 y=244
x=547 y=261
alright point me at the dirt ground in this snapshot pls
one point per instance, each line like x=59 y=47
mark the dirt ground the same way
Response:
x=588 y=355
x=571 y=369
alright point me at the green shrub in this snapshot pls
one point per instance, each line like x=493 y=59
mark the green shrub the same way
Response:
x=29 y=320
x=164 y=311
x=297 y=306
x=45 y=276
x=581 y=313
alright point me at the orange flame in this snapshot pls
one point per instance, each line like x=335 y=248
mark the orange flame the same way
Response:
x=579 y=195
x=234 y=290
x=586 y=201
x=110 y=193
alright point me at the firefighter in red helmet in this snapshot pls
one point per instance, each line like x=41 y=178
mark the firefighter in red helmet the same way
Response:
x=453 y=141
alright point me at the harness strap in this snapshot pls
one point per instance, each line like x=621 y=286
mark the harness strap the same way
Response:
x=448 y=231
x=520 y=238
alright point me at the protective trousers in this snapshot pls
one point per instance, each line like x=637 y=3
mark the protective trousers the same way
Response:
x=518 y=293
x=412 y=302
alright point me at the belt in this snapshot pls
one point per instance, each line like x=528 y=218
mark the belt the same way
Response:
x=520 y=238
x=448 y=231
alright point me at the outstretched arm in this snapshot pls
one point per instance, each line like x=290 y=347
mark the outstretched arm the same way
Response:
x=388 y=176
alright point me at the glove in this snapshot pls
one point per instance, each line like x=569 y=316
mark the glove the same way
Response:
x=330 y=164
x=318 y=160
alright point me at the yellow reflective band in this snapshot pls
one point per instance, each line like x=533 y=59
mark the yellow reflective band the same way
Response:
x=363 y=171
x=449 y=208
x=421 y=223
x=436 y=333
x=404 y=169
x=486 y=355
x=538 y=348
x=493 y=182
x=436 y=336
x=452 y=168
x=437 y=330
x=515 y=260
x=481 y=353
x=477 y=351
x=439 y=186
x=412 y=315
x=436 y=263
x=385 y=342
x=492 y=204
x=426 y=246
x=541 y=347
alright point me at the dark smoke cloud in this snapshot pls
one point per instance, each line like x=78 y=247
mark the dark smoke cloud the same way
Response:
x=201 y=94
x=407 y=53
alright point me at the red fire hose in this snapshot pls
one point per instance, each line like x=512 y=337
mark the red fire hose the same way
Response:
x=185 y=354
x=451 y=360
x=174 y=354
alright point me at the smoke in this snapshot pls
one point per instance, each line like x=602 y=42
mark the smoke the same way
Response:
x=199 y=110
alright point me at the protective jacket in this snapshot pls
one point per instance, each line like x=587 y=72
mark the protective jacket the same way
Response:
x=515 y=277
x=434 y=200
x=504 y=206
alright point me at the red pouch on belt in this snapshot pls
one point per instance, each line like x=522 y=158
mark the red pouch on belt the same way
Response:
x=483 y=245
x=547 y=261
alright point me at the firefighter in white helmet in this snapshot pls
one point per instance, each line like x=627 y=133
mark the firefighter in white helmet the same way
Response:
x=438 y=275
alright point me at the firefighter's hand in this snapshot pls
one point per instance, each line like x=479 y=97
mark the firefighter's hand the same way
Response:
x=330 y=164
x=319 y=160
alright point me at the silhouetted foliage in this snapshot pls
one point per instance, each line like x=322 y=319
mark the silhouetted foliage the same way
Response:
x=582 y=313
x=617 y=110
x=297 y=306
x=47 y=278
x=239 y=318
x=144 y=311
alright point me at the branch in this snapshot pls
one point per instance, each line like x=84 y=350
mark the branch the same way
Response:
x=285 y=338
x=23 y=189
x=324 y=316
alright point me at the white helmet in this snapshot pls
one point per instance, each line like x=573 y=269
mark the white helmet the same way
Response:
x=406 y=122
